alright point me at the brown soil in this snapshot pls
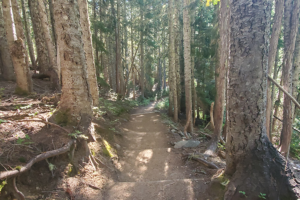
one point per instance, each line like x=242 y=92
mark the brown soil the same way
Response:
x=150 y=168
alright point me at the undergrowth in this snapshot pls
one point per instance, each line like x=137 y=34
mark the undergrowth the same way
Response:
x=162 y=104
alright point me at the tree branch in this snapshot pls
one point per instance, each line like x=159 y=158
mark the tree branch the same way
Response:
x=285 y=92
x=40 y=157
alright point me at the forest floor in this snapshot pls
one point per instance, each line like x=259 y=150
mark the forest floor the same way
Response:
x=134 y=147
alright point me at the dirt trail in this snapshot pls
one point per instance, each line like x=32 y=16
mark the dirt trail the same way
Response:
x=149 y=167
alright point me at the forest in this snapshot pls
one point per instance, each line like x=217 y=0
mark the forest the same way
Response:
x=149 y=99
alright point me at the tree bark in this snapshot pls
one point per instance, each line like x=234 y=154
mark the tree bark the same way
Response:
x=271 y=59
x=142 y=77
x=220 y=76
x=76 y=101
x=251 y=160
x=53 y=67
x=291 y=21
x=43 y=63
x=187 y=63
x=88 y=49
x=17 y=48
x=7 y=68
x=28 y=38
x=172 y=70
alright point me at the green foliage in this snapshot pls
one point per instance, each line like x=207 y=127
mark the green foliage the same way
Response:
x=221 y=146
x=243 y=193
x=163 y=104
x=2 y=121
x=24 y=141
x=102 y=82
x=3 y=183
x=77 y=135
x=262 y=196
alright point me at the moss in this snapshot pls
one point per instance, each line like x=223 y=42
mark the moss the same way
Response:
x=108 y=150
x=62 y=118
x=18 y=168
x=20 y=91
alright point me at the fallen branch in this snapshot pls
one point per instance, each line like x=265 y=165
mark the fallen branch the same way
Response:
x=207 y=135
x=40 y=157
x=281 y=121
x=202 y=161
x=45 y=122
x=285 y=92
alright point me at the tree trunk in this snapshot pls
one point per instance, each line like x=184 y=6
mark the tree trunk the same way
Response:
x=187 y=63
x=172 y=70
x=7 y=68
x=52 y=24
x=53 y=68
x=88 y=49
x=251 y=160
x=178 y=28
x=291 y=21
x=276 y=106
x=220 y=76
x=142 y=77
x=119 y=57
x=17 y=48
x=28 y=38
x=76 y=101
x=296 y=73
x=271 y=59
x=43 y=63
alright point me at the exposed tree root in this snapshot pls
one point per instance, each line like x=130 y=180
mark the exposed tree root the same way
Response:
x=40 y=157
x=187 y=125
x=202 y=161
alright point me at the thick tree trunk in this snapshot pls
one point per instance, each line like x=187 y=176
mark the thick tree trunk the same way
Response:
x=53 y=68
x=251 y=160
x=17 y=48
x=28 y=38
x=172 y=72
x=88 y=49
x=76 y=101
x=220 y=76
x=271 y=59
x=187 y=63
x=7 y=68
x=178 y=28
x=291 y=21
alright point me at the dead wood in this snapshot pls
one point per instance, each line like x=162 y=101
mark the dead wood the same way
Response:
x=285 y=92
x=40 y=157
x=207 y=135
x=202 y=161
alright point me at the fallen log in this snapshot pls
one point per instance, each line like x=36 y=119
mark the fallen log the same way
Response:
x=202 y=161
x=40 y=157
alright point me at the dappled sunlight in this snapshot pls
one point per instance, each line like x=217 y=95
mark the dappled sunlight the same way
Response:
x=144 y=156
